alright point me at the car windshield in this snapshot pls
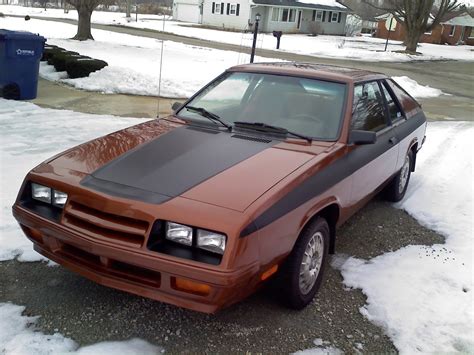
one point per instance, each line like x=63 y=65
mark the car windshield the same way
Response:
x=309 y=107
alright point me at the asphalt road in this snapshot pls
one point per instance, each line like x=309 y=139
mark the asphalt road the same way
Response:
x=90 y=313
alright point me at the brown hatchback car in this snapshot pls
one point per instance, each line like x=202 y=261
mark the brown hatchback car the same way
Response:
x=246 y=181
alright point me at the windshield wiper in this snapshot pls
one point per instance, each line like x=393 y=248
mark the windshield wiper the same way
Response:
x=260 y=126
x=209 y=115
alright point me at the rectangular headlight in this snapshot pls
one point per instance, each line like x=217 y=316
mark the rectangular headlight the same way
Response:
x=179 y=233
x=59 y=198
x=211 y=241
x=41 y=193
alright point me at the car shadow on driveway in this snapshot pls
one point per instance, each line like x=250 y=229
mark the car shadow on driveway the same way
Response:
x=89 y=313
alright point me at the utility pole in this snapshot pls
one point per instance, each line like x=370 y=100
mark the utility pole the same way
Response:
x=255 y=32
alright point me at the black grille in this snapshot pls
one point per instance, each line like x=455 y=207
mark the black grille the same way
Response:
x=253 y=139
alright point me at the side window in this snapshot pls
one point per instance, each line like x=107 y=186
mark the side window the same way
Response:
x=393 y=108
x=408 y=103
x=368 y=108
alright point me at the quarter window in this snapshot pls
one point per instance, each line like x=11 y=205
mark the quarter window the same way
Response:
x=368 y=108
x=393 y=108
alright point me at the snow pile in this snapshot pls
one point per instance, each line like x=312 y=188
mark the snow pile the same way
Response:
x=415 y=89
x=423 y=296
x=321 y=348
x=18 y=336
x=29 y=135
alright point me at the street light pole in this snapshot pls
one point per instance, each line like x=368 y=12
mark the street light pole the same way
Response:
x=255 y=32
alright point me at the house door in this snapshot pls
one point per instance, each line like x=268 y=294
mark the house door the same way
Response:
x=299 y=19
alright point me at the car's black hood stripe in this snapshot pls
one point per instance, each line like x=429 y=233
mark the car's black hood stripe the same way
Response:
x=331 y=175
x=171 y=164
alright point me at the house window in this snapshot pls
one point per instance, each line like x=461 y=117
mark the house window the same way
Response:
x=233 y=9
x=317 y=15
x=275 y=14
x=334 y=17
x=451 y=32
x=292 y=15
x=218 y=8
x=428 y=33
x=283 y=15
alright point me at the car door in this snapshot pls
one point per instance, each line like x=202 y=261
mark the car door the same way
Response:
x=397 y=118
x=376 y=162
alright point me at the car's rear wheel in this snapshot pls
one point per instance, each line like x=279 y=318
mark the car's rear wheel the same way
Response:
x=398 y=186
x=303 y=271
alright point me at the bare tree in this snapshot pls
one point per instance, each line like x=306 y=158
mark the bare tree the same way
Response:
x=417 y=16
x=84 y=11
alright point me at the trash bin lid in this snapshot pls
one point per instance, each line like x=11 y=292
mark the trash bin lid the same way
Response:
x=20 y=35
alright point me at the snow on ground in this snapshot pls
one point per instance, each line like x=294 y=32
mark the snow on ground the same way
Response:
x=134 y=62
x=423 y=296
x=357 y=48
x=18 y=336
x=30 y=135
x=416 y=90
x=322 y=348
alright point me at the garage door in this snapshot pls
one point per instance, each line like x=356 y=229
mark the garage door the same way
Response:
x=188 y=12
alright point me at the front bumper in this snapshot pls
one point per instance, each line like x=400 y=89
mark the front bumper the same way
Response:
x=150 y=275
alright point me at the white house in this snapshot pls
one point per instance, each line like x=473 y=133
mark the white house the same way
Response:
x=291 y=16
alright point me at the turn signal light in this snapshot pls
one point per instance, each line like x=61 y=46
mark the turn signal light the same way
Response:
x=269 y=272
x=191 y=286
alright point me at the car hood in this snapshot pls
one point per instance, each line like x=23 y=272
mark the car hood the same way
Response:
x=156 y=162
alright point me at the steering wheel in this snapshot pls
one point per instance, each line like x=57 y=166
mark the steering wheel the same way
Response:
x=313 y=120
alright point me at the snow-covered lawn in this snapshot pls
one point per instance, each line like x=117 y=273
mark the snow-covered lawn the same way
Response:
x=358 y=48
x=134 y=62
x=18 y=336
x=423 y=296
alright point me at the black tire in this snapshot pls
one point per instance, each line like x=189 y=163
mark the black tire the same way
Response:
x=397 y=188
x=11 y=92
x=293 y=296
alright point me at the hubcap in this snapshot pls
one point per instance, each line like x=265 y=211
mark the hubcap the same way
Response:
x=311 y=263
x=404 y=173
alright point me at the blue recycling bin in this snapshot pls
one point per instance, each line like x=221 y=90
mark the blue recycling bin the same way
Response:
x=20 y=55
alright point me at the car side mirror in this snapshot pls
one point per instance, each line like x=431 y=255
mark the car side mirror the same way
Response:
x=362 y=137
x=176 y=106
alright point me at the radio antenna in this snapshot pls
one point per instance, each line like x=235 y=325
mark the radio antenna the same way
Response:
x=161 y=67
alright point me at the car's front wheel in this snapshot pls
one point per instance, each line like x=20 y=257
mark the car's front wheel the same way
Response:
x=303 y=271
x=398 y=186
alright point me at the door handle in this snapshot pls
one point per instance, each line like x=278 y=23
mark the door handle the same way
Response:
x=393 y=140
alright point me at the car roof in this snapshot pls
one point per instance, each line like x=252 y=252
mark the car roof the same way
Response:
x=311 y=70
